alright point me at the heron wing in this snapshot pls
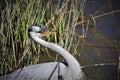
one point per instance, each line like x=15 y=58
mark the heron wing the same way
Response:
x=37 y=72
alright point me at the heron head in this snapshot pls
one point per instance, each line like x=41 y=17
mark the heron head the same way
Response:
x=37 y=31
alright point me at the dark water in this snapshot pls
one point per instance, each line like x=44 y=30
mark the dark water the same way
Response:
x=109 y=27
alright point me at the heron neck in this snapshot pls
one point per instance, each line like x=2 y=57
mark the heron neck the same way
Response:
x=71 y=61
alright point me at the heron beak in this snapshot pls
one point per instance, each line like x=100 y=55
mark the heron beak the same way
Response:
x=46 y=33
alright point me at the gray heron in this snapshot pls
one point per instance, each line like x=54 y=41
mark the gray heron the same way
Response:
x=43 y=71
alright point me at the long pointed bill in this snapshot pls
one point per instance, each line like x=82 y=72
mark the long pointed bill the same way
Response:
x=46 y=33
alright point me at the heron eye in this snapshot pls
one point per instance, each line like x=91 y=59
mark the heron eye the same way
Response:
x=35 y=31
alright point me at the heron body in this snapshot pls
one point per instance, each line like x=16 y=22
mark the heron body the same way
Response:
x=71 y=71
x=36 y=72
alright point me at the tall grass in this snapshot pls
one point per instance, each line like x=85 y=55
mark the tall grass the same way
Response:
x=17 y=50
